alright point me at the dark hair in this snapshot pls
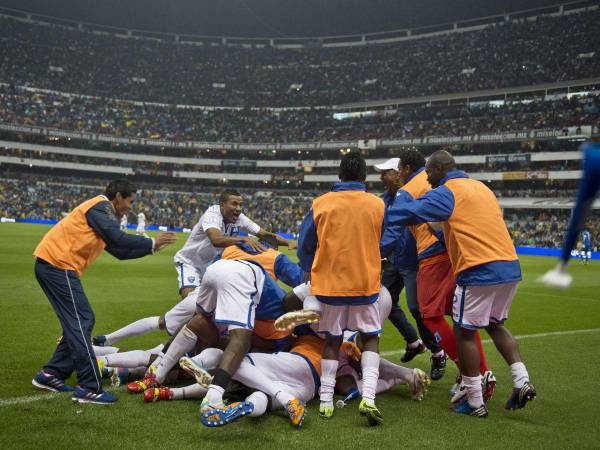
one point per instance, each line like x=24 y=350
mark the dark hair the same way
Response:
x=123 y=186
x=228 y=193
x=412 y=158
x=353 y=167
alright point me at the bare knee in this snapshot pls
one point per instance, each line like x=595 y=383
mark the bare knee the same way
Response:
x=161 y=322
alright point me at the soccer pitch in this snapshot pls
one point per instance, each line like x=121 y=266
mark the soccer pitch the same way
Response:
x=559 y=339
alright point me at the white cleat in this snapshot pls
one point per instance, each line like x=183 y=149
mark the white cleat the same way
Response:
x=556 y=278
x=291 y=320
x=199 y=373
x=419 y=384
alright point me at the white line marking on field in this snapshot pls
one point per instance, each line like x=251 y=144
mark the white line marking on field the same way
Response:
x=50 y=396
x=560 y=297
x=524 y=336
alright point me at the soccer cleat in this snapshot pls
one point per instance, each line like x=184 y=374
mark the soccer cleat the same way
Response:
x=419 y=384
x=463 y=407
x=488 y=385
x=83 y=395
x=100 y=341
x=157 y=394
x=460 y=394
x=411 y=352
x=138 y=387
x=351 y=350
x=326 y=411
x=199 y=373
x=120 y=376
x=48 y=382
x=520 y=396
x=296 y=410
x=218 y=417
x=206 y=406
x=456 y=386
x=373 y=415
x=105 y=372
x=438 y=366
x=291 y=320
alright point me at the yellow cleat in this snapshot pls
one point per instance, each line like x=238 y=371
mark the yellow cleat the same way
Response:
x=419 y=384
x=371 y=412
x=326 y=411
x=296 y=410
x=199 y=373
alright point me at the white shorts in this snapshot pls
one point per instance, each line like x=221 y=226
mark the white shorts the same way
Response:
x=187 y=275
x=231 y=290
x=181 y=313
x=140 y=229
x=288 y=369
x=477 y=306
x=335 y=319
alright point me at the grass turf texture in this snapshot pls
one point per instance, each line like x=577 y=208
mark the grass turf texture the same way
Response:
x=563 y=369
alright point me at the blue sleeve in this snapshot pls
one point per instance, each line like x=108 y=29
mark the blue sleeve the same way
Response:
x=288 y=272
x=307 y=242
x=393 y=233
x=435 y=206
x=118 y=243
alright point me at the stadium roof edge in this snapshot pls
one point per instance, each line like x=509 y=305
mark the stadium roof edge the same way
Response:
x=298 y=42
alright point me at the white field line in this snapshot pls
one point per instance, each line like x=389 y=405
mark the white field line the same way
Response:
x=50 y=396
x=523 y=336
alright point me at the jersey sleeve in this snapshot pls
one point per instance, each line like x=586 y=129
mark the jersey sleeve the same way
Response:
x=288 y=272
x=307 y=242
x=248 y=225
x=211 y=219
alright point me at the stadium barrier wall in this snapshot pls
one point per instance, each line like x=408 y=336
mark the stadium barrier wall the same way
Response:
x=531 y=251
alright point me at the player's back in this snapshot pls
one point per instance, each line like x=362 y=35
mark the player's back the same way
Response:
x=348 y=226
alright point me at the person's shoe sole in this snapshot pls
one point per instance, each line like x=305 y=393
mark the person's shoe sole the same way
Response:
x=94 y=402
x=44 y=387
x=421 y=382
x=202 y=376
x=291 y=320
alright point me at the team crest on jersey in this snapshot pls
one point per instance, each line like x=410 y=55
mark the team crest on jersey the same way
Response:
x=191 y=279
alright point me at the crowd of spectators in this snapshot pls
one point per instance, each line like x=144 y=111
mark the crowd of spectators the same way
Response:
x=138 y=120
x=516 y=53
x=282 y=212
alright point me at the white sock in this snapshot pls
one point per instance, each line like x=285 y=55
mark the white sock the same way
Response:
x=370 y=374
x=132 y=359
x=191 y=391
x=283 y=397
x=136 y=328
x=156 y=350
x=474 y=392
x=101 y=351
x=260 y=402
x=328 y=370
x=184 y=342
x=415 y=344
x=253 y=377
x=519 y=374
x=209 y=358
x=388 y=370
x=214 y=395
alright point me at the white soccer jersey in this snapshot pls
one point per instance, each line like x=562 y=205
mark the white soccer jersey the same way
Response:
x=198 y=251
x=141 y=217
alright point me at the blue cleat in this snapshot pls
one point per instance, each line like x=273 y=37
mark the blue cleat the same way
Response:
x=520 y=396
x=463 y=407
x=49 y=382
x=100 y=341
x=219 y=417
x=83 y=395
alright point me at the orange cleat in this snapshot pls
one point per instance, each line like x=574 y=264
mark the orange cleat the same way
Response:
x=157 y=394
x=138 y=387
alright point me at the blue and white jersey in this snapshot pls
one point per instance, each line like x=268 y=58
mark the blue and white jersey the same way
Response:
x=587 y=240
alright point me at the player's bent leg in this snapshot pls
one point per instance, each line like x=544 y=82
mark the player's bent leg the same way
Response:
x=137 y=328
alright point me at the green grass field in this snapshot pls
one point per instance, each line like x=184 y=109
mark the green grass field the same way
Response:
x=560 y=344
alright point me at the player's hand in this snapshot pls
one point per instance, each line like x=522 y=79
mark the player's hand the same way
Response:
x=292 y=245
x=254 y=244
x=164 y=239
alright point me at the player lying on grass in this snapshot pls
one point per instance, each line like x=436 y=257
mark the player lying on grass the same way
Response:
x=277 y=265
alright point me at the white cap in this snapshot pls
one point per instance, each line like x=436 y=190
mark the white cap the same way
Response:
x=391 y=163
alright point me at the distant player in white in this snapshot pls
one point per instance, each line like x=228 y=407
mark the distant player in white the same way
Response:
x=218 y=228
x=124 y=222
x=141 y=224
